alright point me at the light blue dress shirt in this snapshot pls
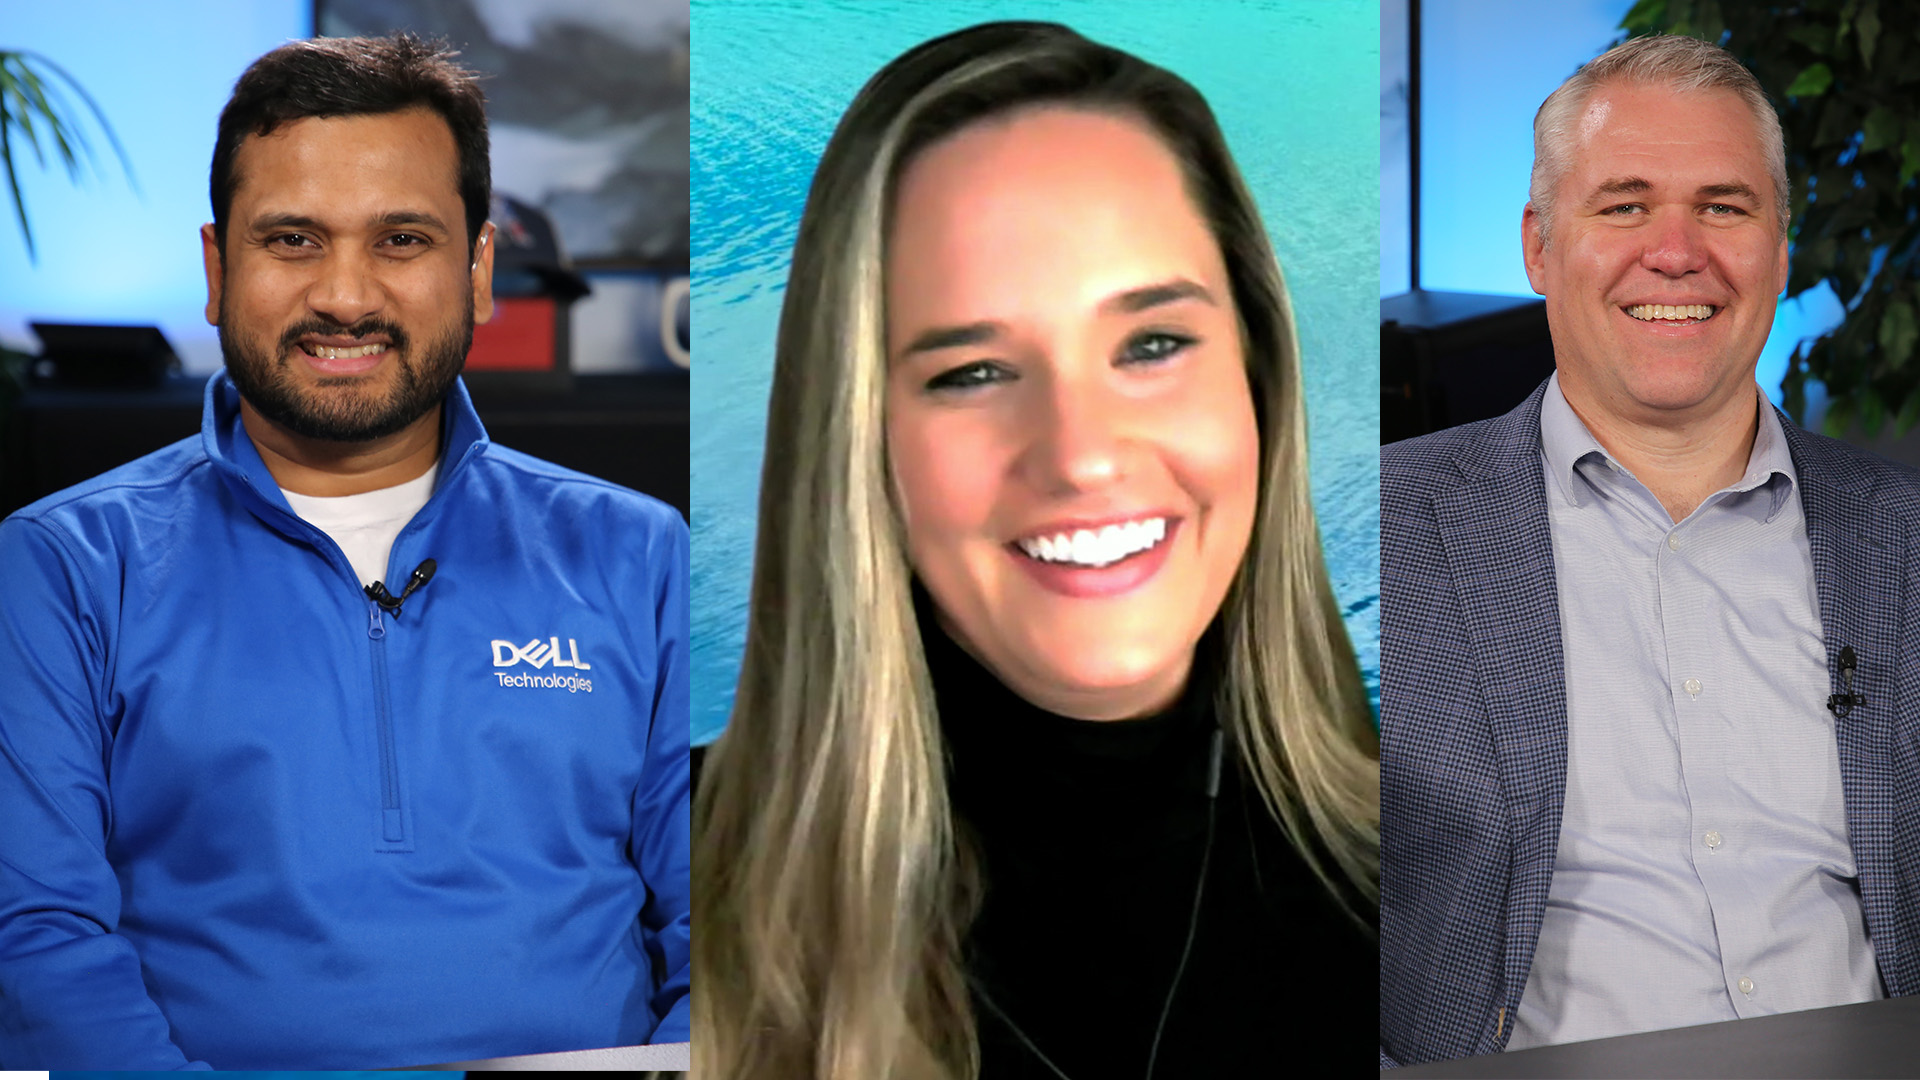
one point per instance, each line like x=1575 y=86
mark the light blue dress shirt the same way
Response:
x=1703 y=870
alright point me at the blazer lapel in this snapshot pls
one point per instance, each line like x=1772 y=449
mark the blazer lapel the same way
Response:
x=1499 y=552
x=1860 y=571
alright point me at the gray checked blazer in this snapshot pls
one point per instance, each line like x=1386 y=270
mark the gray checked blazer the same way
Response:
x=1473 y=710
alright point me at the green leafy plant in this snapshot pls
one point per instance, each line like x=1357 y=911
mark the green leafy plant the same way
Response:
x=1845 y=77
x=34 y=106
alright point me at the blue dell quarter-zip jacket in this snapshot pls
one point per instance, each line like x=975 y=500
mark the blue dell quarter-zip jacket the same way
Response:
x=250 y=820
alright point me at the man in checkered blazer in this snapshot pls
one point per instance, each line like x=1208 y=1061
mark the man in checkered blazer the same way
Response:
x=1650 y=653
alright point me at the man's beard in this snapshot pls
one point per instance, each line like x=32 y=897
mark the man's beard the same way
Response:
x=421 y=380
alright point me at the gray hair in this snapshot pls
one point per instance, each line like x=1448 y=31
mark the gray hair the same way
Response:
x=1683 y=63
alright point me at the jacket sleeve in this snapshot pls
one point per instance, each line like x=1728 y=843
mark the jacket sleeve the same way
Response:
x=71 y=991
x=661 y=818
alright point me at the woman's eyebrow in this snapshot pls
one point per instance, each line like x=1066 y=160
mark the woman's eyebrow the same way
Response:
x=1151 y=296
x=1127 y=302
x=953 y=337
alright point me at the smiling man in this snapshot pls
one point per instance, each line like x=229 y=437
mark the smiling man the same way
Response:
x=1645 y=644
x=338 y=736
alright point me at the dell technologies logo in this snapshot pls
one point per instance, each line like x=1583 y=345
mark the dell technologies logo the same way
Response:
x=541 y=652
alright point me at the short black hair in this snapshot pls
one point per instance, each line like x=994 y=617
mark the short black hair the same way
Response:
x=357 y=76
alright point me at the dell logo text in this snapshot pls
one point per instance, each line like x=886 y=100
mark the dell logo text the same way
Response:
x=539 y=652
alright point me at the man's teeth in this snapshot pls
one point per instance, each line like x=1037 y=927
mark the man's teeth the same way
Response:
x=325 y=352
x=1102 y=547
x=1671 y=312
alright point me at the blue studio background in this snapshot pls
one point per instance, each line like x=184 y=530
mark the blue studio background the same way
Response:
x=1486 y=65
x=109 y=253
x=1291 y=83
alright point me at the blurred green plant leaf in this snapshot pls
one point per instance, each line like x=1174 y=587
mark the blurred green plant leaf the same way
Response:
x=1839 y=416
x=1646 y=16
x=34 y=107
x=1812 y=82
x=1838 y=122
x=1867 y=27
x=1817 y=38
x=1882 y=128
x=1872 y=412
x=1897 y=334
x=1909 y=412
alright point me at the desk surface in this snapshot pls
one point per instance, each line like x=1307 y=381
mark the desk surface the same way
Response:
x=1425 y=309
x=668 y=1057
x=1875 y=1039
x=630 y=429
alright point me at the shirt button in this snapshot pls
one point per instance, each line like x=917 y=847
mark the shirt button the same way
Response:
x=1673 y=542
x=1713 y=841
x=1746 y=985
x=1692 y=687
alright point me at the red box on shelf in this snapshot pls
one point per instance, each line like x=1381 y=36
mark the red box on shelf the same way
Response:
x=525 y=345
x=521 y=336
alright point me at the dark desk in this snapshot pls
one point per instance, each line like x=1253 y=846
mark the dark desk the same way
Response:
x=1877 y=1039
x=630 y=429
x=1450 y=358
x=660 y=1057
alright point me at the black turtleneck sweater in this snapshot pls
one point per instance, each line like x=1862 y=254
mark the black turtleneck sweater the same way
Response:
x=1092 y=836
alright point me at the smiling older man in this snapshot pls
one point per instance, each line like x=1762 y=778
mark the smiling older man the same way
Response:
x=1647 y=647
x=339 y=736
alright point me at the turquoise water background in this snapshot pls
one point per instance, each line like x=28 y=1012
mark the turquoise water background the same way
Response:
x=1296 y=89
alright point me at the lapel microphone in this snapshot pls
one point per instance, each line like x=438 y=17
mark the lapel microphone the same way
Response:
x=1842 y=703
x=377 y=592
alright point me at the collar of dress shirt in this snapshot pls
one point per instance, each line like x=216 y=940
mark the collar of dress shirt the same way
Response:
x=1569 y=446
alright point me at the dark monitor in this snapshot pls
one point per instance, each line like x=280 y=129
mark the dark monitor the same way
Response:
x=73 y=354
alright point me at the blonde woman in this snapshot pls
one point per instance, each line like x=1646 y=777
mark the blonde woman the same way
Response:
x=1049 y=756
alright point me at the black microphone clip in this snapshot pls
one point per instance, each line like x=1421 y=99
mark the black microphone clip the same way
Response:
x=377 y=592
x=1842 y=703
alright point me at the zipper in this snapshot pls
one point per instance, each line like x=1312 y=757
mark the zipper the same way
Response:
x=392 y=823
x=393 y=826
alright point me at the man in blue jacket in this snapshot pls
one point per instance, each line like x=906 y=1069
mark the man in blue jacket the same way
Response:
x=337 y=736
x=1650 y=654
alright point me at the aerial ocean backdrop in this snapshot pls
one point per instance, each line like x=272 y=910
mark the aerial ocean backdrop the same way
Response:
x=1296 y=89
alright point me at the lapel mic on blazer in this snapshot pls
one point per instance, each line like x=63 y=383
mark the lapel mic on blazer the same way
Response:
x=1842 y=703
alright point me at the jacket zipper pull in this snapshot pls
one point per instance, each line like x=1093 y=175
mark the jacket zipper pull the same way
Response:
x=375 y=628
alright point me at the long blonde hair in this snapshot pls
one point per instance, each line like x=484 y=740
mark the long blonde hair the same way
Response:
x=831 y=893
